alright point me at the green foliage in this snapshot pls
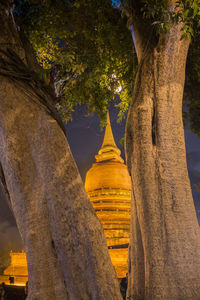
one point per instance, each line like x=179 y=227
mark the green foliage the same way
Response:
x=189 y=16
x=91 y=43
x=160 y=16
x=158 y=13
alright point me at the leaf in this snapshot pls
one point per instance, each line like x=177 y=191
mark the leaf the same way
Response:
x=186 y=13
x=184 y=35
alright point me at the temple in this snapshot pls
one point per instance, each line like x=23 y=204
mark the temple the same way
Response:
x=16 y=273
x=108 y=185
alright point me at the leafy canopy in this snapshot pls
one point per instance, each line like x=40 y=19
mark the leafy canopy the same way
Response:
x=87 y=45
x=88 y=48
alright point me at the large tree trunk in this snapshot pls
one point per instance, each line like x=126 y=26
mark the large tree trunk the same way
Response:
x=164 y=257
x=64 y=241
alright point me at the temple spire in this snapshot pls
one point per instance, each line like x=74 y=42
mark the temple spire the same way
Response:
x=109 y=150
x=108 y=136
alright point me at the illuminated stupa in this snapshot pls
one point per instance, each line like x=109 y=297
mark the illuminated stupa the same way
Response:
x=108 y=185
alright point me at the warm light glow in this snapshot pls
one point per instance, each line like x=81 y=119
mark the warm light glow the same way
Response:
x=108 y=185
x=17 y=270
x=119 y=89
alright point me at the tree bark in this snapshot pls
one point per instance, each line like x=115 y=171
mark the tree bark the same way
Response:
x=164 y=256
x=64 y=241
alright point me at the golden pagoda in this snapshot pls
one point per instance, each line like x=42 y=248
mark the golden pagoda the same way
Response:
x=16 y=273
x=108 y=185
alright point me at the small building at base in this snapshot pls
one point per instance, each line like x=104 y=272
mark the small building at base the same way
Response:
x=108 y=185
x=16 y=273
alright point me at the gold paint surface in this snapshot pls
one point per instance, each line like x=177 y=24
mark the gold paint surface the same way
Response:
x=108 y=185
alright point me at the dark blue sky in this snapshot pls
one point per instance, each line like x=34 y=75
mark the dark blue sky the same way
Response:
x=85 y=139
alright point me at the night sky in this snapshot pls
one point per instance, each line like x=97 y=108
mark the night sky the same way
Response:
x=85 y=139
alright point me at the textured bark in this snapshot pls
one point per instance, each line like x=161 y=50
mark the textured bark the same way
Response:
x=164 y=256
x=64 y=241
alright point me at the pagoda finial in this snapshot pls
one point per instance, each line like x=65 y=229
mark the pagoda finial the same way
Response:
x=108 y=136
x=109 y=150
